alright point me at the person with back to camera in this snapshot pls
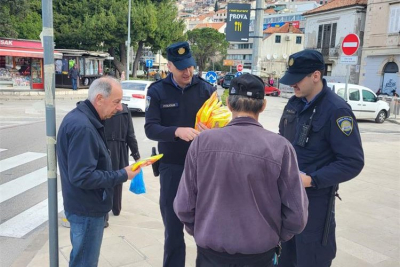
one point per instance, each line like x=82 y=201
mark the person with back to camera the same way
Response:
x=325 y=135
x=172 y=105
x=120 y=137
x=86 y=171
x=241 y=192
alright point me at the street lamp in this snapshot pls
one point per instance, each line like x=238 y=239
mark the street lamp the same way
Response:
x=128 y=42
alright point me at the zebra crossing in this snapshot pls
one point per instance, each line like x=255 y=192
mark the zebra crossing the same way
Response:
x=31 y=218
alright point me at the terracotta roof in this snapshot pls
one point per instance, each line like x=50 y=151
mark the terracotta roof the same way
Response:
x=337 y=4
x=283 y=29
x=214 y=25
x=221 y=11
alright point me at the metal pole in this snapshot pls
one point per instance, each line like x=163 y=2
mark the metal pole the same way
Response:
x=128 y=42
x=47 y=37
x=346 y=97
x=258 y=27
x=159 y=60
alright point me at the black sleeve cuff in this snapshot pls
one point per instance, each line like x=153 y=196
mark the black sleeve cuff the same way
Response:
x=136 y=156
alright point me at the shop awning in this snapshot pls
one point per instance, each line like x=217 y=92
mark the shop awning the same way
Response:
x=25 y=52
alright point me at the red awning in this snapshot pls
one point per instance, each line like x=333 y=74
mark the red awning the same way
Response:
x=24 y=52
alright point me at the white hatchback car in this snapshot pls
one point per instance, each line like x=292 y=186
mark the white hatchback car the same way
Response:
x=363 y=101
x=134 y=94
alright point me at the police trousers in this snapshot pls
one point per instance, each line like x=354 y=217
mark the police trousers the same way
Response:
x=211 y=258
x=174 y=244
x=306 y=249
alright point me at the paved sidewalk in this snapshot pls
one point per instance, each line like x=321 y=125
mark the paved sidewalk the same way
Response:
x=368 y=218
x=368 y=221
x=60 y=93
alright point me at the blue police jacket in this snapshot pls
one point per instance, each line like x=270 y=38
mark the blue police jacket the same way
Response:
x=332 y=152
x=169 y=107
x=85 y=164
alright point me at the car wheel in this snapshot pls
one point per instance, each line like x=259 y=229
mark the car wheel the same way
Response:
x=275 y=94
x=380 y=118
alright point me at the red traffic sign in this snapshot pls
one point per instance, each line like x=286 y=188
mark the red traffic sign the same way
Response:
x=239 y=67
x=350 y=44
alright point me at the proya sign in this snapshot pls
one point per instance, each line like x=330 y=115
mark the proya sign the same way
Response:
x=237 y=16
x=237 y=26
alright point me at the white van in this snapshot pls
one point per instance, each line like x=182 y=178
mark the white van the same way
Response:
x=363 y=101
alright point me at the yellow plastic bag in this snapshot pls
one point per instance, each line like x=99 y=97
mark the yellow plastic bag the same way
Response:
x=212 y=114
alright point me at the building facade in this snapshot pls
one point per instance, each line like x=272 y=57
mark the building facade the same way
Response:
x=381 y=51
x=326 y=27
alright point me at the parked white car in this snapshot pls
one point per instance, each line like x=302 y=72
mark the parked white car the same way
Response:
x=134 y=94
x=363 y=101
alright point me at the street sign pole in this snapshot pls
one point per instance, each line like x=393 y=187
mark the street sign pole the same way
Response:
x=47 y=37
x=347 y=82
x=350 y=45
x=128 y=42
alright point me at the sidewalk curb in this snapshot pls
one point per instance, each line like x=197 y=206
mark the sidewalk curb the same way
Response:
x=7 y=95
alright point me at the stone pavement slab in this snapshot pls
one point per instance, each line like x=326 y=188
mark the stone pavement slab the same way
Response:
x=368 y=217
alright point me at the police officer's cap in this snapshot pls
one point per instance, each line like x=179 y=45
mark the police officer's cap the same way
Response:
x=180 y=55
x=302 y=64
x=247 y=85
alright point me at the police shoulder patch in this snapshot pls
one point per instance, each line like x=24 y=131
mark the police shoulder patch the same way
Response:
x=345 y=124
x=148 y=98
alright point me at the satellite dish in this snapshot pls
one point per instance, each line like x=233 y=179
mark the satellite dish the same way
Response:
x=275 y=56
x=284 y=56
x=269 y=57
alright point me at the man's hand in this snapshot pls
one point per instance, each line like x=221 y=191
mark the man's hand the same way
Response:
x=131 y=174
x=305 y=179
x=202 y=126
x=186 y=133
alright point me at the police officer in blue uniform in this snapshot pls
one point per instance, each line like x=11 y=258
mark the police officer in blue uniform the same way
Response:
x=325 y=135
x=172 y=105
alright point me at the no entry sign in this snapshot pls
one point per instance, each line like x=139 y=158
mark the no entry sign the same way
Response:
x=239 y=67
x=350 y=44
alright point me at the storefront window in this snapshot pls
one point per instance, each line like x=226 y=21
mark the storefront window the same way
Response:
x=81 y=68
x=71 y=63
x=65 y=66
x=58 y=65
x=37 y=70
x=100 y=67
x=96 y=67
x=89 y=66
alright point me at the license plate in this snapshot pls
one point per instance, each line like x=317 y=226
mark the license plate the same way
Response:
x=126 y=98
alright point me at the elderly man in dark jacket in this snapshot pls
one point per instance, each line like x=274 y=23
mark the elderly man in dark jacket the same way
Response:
x=86 y=171
x=120 y=137
x=241 y=192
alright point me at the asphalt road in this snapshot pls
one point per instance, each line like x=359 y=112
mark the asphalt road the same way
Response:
x=22 y=130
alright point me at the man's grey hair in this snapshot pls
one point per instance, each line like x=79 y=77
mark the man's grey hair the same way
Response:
x=101 y=86
x=241 y=103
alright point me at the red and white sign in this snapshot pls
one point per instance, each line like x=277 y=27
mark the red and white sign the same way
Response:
x=350 y=44
x=239 y=67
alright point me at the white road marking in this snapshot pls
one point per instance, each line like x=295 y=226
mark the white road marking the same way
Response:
x=15 y=161
x=3 y=149
x=28 y=220
x=22 y=184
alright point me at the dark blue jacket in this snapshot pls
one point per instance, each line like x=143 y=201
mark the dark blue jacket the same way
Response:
x=168 y=108
x=85 y=165
x=334 y=152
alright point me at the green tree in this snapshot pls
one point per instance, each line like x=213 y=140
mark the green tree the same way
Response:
x=206 y=43
x=20 y=19
x=216 y=7
x=156 y=25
